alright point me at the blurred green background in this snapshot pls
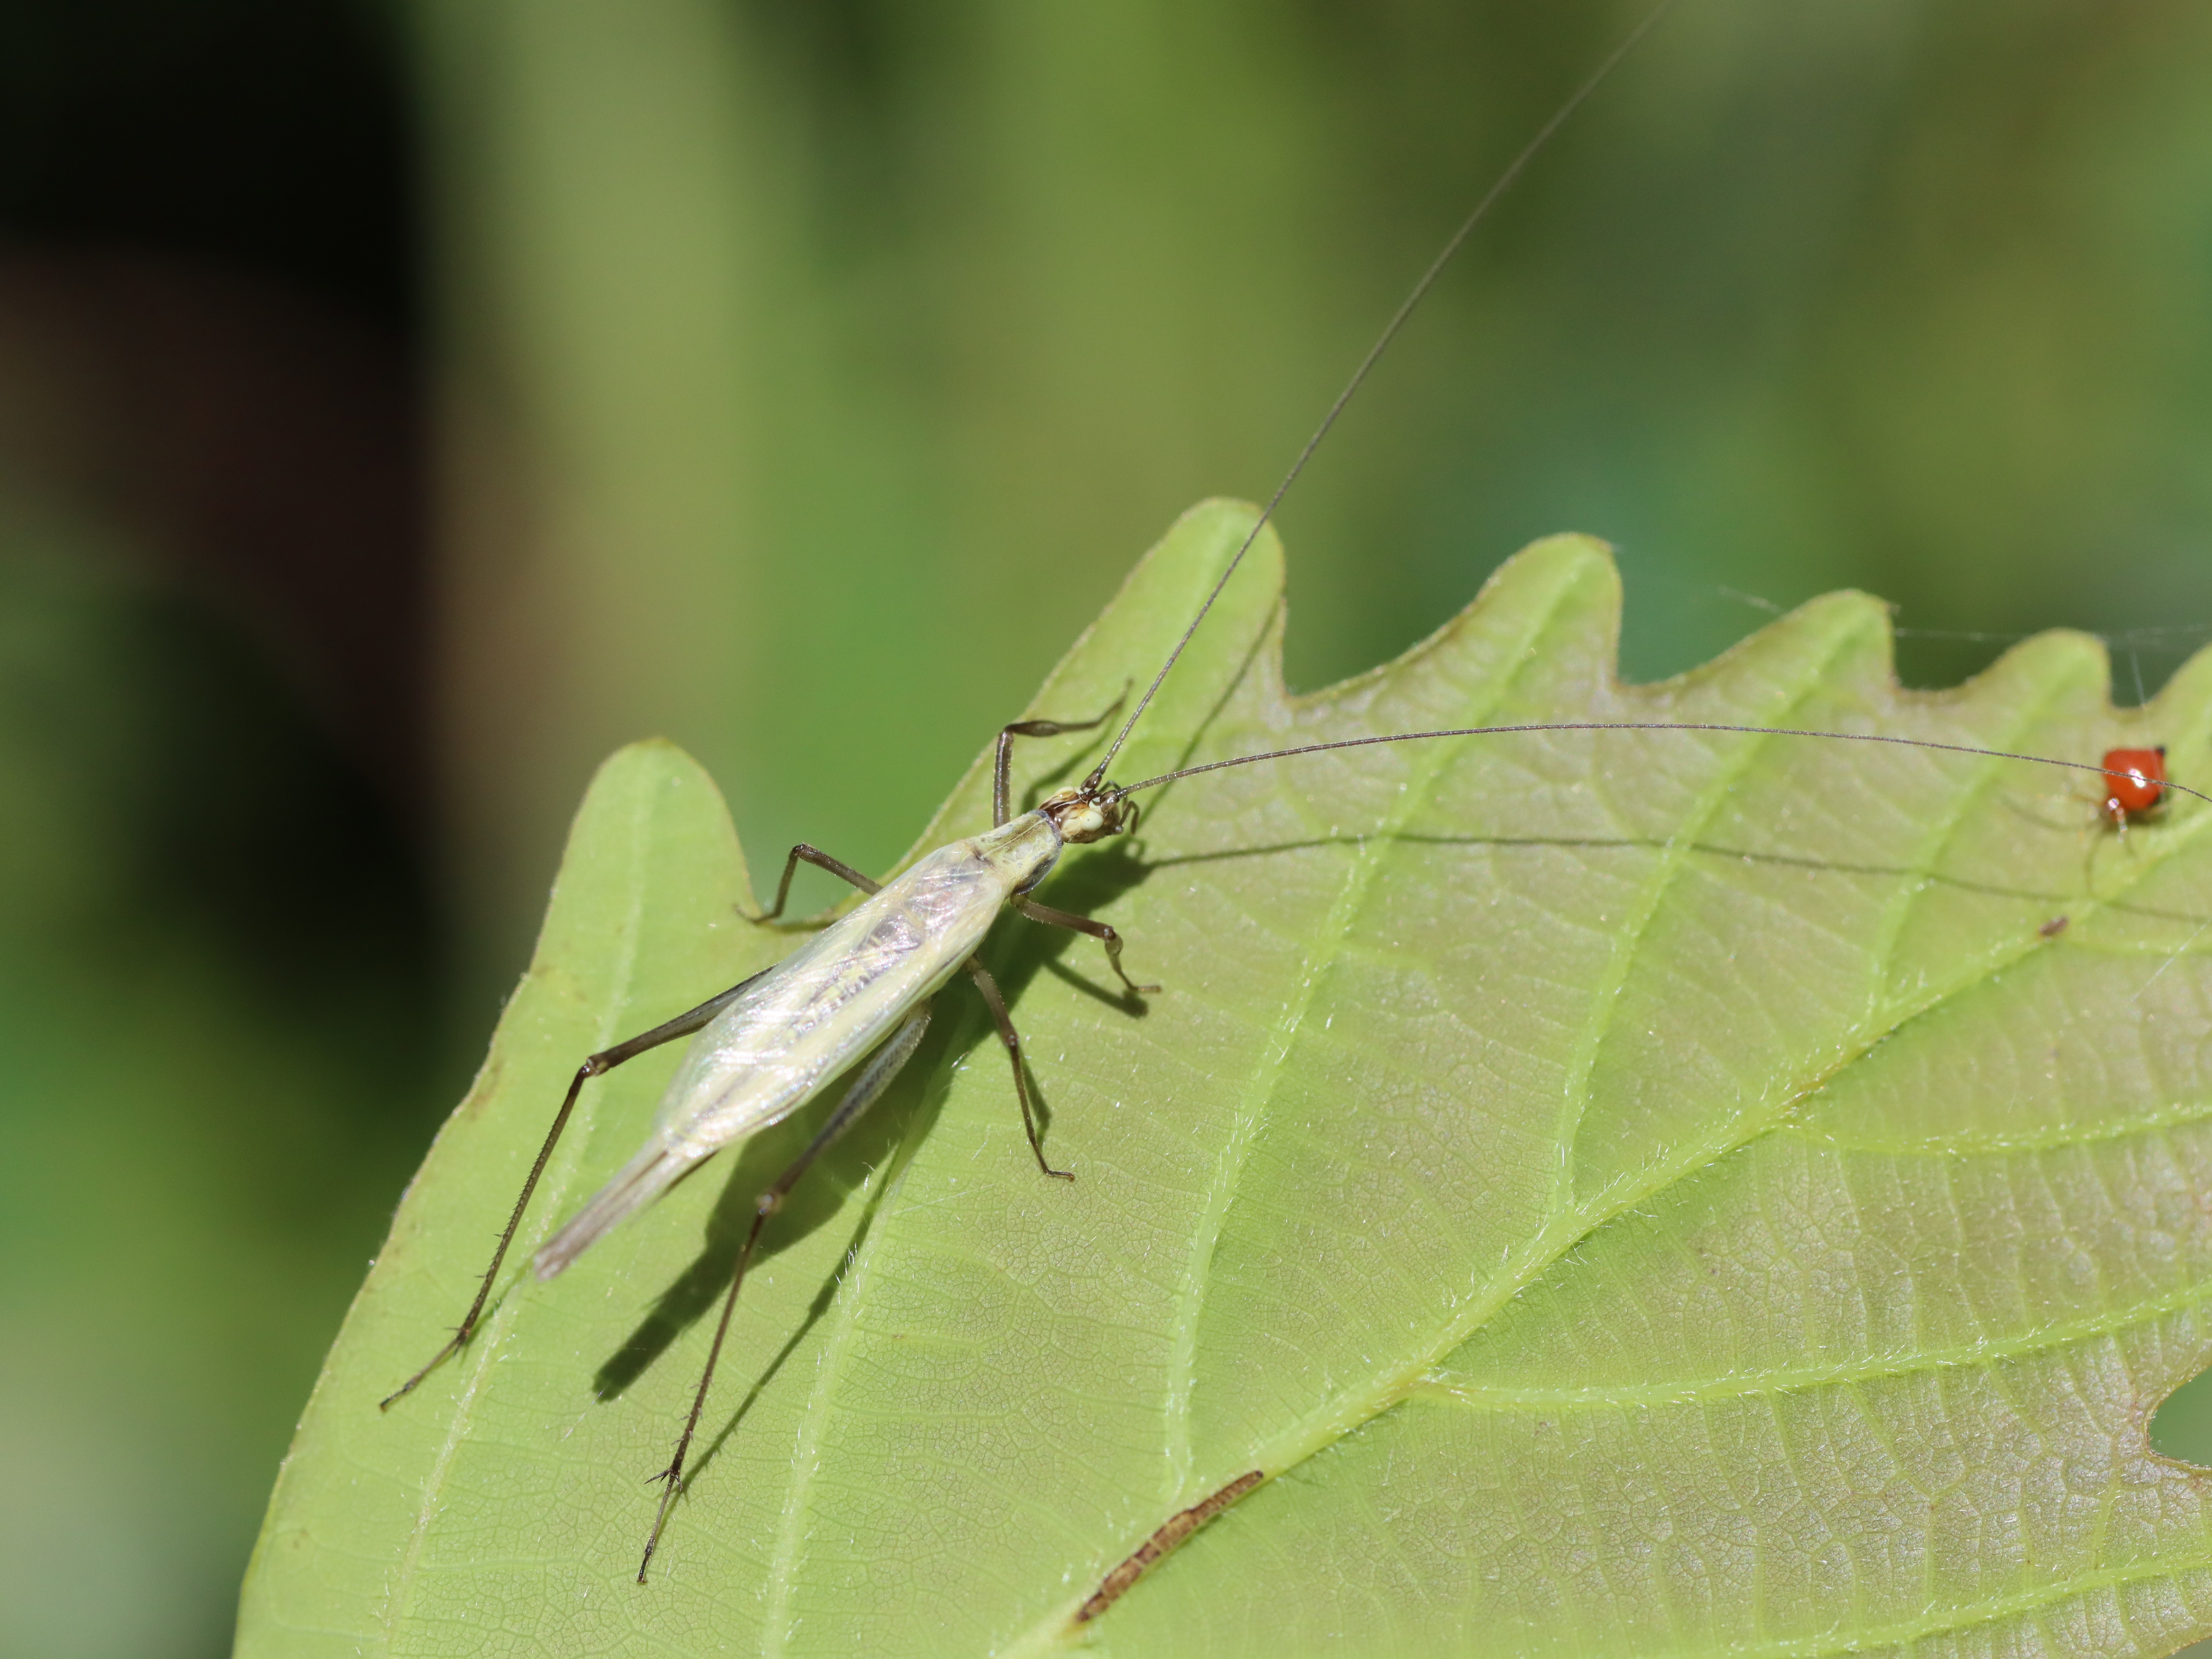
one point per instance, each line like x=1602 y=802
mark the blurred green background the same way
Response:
x=401 y=407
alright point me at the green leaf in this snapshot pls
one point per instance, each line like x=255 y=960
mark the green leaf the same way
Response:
x=1630 y=1194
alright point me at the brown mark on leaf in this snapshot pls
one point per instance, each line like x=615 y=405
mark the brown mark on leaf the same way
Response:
x=1177 y=1528
x=2054 y=927
x=483 y=1086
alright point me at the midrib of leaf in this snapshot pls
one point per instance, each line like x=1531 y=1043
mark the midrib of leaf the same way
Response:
x=553 y=1190
x=1374 y=852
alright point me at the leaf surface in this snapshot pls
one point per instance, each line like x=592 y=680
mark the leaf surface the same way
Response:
x=1628 y=1193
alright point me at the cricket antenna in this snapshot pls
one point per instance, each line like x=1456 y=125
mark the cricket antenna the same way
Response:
x=1503 y=182
x=2108 y=769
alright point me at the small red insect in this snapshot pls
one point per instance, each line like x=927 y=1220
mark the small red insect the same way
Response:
x=2135 y=783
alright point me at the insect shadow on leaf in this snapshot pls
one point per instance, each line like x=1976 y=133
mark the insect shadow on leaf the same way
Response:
x=700 y=1287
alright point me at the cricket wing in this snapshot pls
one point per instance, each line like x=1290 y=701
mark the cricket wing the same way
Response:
x=640 y=1180
x=803 y=1021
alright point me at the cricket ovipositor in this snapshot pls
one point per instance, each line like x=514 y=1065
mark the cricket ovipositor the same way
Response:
x=943 y=940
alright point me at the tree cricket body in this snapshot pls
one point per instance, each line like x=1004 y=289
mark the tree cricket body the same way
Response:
x=790 y=1030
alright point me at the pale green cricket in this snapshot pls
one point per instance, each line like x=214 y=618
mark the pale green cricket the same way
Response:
x=859 y=993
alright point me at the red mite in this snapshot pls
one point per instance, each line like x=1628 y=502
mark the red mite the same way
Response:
x=2135 y=783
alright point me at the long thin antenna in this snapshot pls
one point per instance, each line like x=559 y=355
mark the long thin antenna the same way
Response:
x=1505 y=182
x=2107 y=773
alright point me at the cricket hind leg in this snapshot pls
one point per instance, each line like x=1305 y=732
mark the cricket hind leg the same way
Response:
x=875 y=1077
x=1013 y=1039
x=605 y=1060
x=1002 y=761
x=804 y=853
x=1100 y=931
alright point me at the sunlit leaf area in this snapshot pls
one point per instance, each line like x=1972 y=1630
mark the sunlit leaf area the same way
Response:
x=1769 y=1214
x=405 y=408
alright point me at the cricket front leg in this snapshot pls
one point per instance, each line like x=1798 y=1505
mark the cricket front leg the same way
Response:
x=1098 y=930
x=1002 y=761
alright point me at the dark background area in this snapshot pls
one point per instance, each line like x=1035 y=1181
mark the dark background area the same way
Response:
x=219 y=939
x=400 y=408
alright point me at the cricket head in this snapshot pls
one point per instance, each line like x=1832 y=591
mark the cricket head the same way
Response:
x=1091 y=810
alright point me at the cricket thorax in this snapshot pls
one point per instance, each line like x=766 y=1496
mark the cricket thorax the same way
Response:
x=1021 y=852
